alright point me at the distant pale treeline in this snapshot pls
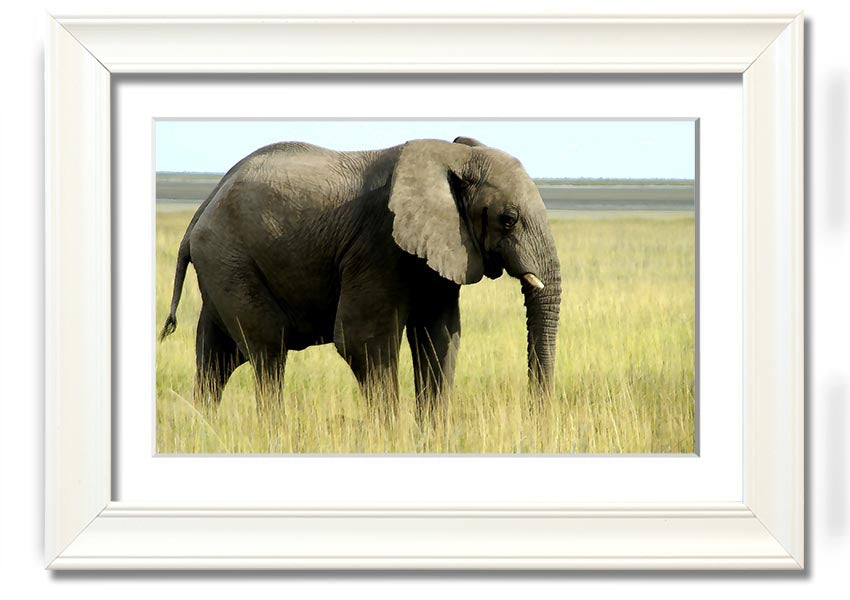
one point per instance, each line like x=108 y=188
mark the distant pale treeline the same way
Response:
x=542 y=181
x=557 y=193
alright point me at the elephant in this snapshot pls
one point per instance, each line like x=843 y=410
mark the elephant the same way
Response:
x=300 y=245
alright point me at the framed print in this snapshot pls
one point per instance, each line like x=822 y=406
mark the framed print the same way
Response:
x=343 y=488
x=467 y=395
x=603 y=279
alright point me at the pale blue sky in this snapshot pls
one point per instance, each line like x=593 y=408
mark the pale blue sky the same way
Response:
x=566 y=148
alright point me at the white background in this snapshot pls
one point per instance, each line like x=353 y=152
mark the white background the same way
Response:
x=713 y=476
x=21 y=350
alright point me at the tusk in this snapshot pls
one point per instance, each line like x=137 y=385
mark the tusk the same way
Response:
x=532 y=280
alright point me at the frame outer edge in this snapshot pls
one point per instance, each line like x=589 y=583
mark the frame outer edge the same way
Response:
x=77 y=288
x=659 y=43
x=774 y=449
x=626 y=536
x=447 y=564
x=78 y=405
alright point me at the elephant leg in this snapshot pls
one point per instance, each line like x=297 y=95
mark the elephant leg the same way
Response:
x=433 y=332
x=376 y=368
x=367 y=334
x=269 y=369
x=262 y=337
x=216 y=357
x=256 y=322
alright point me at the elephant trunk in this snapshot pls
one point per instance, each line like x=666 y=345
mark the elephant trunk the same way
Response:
x=542 y=307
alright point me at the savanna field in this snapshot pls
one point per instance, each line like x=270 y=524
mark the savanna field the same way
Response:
x=624 y=377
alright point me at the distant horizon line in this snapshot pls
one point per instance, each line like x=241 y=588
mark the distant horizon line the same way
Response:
x=691 y=179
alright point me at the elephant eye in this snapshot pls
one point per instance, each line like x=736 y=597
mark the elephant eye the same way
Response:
x=508 y=219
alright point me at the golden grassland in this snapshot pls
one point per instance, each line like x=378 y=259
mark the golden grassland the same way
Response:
x=624 y=377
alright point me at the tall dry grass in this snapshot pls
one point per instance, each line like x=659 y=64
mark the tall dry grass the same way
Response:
x=624 y=375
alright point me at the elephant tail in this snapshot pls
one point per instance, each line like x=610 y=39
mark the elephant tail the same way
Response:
x=183 y=260
x=183 y=255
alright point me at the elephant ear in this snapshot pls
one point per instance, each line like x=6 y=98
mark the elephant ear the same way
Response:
x=428 y=220
x=467 y=141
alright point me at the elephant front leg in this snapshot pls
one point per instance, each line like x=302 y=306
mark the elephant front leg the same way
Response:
x=367 y=334
x=375 y=365
x=433 y=333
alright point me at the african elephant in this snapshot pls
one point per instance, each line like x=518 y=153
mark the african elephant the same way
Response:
x=299 y=245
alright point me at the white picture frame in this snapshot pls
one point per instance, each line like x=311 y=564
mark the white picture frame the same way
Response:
x=86 y=529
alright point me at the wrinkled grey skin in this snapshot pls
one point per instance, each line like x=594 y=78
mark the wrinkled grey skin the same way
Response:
x=299 y=245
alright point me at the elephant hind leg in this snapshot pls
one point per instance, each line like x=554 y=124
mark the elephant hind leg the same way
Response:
x=255 y=320
x=216 y=357
x=269 y=368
